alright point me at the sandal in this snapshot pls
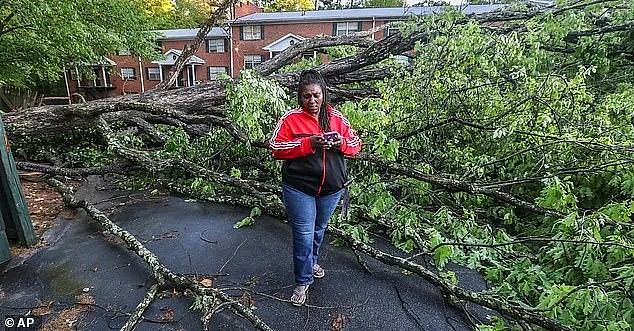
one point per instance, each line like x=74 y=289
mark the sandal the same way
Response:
x=318 y=271
x=299 y=295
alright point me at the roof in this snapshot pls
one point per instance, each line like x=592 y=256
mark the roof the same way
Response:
x=283 y=43
x=188 y=34
x=354 y=14
x=101 y=62
x=542 y=2
x=173 y=54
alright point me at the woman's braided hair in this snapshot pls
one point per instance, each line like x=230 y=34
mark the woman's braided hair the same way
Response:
x=309 y=77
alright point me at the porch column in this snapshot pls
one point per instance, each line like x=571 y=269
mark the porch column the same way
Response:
x=160 y=72
x=103 y=75
x=193 y=75
x=66 y=83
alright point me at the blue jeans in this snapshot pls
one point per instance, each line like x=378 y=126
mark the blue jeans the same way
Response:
x=308 y=216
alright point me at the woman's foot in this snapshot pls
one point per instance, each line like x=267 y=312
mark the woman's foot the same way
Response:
x=318 y=271
x=299 y=295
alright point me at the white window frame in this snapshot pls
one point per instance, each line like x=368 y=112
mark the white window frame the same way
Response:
x=216 y=46
x=212 y=72
x=348 y=28
x=153 y=73
x=125 y=74
x=250 y=61
x=251 y=32
x=391 y=30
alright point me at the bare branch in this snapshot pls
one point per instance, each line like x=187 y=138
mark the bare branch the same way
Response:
x=160 y=272
x=121 y=168
x=294 y=51
x=140 y=309
x=573 y=37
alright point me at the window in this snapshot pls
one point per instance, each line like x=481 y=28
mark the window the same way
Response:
x=128 y=74
x=346 y=28
x=250 y=61
x=124 y=52
x=251 y=32
x=153 y=74
x=216 y=46
x=212 y=72
x=391 y=30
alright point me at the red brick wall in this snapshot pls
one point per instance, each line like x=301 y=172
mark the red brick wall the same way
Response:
x=244 y=9
x=211 y=59
x=272 y=32
x=126 y=86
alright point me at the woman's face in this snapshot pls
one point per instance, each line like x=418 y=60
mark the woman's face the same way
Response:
x=311 y=98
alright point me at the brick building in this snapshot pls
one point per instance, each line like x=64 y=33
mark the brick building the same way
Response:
x=250 y=38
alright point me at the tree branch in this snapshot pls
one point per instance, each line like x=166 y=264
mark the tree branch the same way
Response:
x=514 y=310
x=530 y=239
x=121 y=168
x=160 y=272
x=292 y=52
x=140 y=309
x=190 y=49
x=573 y=37
x=455 y=185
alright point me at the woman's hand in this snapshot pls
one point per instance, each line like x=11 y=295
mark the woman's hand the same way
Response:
x=317 y=141
x=337 y=142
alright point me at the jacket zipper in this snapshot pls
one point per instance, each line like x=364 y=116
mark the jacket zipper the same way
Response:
x=323 y=175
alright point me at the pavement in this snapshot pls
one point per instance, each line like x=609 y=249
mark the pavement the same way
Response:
x=198 y=238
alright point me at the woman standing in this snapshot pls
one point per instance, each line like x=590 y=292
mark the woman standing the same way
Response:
x=312 y=140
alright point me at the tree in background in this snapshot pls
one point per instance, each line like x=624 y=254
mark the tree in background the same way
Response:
x=178 y=14
x=39 y=37
x=431 y=3
x=384 y=3
x=287 y=5
x=487 y=2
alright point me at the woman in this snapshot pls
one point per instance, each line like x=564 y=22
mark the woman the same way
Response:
x=312 y=140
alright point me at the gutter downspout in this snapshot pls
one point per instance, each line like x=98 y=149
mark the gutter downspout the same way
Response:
x=230 y=49
x=141 y=75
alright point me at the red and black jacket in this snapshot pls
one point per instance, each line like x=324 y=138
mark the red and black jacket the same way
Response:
x=313 y=172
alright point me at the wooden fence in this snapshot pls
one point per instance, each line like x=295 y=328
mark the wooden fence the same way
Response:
x=15 y=222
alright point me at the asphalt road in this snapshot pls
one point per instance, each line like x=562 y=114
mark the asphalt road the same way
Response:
x=198 y=238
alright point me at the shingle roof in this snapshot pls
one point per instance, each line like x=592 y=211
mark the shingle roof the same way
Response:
x=353 y=14
x=187 y=34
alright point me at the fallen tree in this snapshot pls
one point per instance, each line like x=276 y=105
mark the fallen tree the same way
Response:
x=481 y=140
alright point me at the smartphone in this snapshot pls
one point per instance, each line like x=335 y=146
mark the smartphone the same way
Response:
x=331 y=136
